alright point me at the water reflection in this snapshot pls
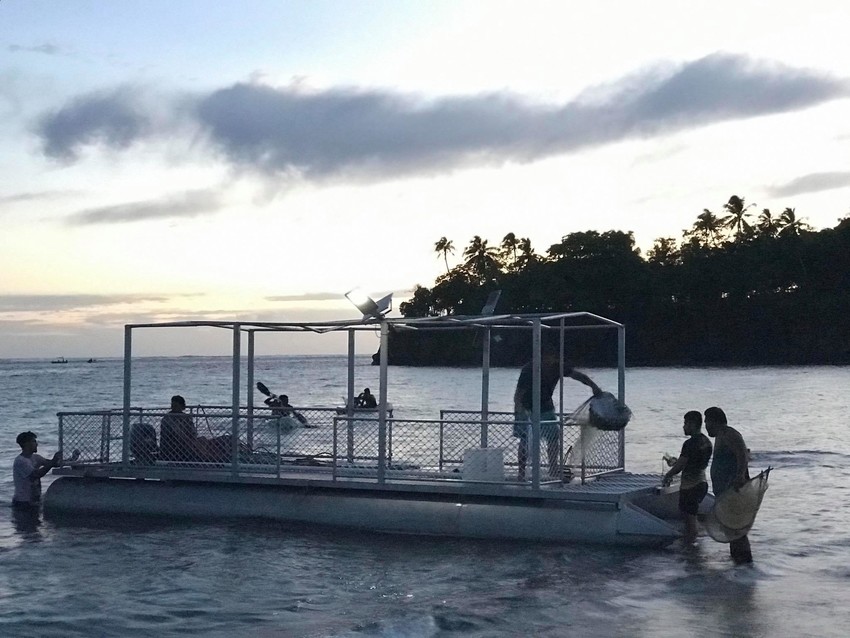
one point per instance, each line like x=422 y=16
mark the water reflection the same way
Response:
x=730 y=604
x=27 y=524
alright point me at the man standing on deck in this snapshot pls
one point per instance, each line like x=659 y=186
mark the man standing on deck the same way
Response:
x=692 y=461
x=550 y=374
x=27 y=471
x=728 y=469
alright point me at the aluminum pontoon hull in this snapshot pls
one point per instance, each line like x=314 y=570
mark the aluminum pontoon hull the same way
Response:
x=397 y=511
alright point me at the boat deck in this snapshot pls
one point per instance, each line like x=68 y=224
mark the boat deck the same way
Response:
x=612 y=487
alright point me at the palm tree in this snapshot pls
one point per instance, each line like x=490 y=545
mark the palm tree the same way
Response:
x=509 y=247
x=444 y=246
x=707 y=227
x=767 y=224
x=481 y=259
x=526 y=253
x=737 y=218
x=789 y=224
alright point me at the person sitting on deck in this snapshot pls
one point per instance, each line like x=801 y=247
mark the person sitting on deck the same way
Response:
x=366 y=400
x=178 y=435
x=179 y=440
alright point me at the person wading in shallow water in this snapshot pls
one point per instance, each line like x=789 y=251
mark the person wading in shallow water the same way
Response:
x=28 y=469
x=692 y=461
x=729 y=469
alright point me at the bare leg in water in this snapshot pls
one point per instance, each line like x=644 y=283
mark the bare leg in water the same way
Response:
x=740 y=550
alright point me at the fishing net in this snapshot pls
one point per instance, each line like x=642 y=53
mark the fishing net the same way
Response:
x=582 y=450
x=734 y=511
x=602 y=412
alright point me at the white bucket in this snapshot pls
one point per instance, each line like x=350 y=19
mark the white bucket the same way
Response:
x=484 y=464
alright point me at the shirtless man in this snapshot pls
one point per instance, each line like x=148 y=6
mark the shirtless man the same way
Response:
x=728 y=469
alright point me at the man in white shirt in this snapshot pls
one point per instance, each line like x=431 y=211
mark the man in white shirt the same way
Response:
x=28 y=469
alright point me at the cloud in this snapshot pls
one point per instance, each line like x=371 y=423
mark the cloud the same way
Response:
x=308 y=296
x=328 y=296
x=360 y=134
x=39 y=303
x=811 y=183
x=165 y=314
x=18 y=198
x=47 y=49
x=113 y=119
x=187 y=204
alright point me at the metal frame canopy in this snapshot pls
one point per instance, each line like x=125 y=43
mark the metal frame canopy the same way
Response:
x=536 y=322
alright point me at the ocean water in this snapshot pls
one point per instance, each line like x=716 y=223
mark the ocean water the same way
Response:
x=153 y=577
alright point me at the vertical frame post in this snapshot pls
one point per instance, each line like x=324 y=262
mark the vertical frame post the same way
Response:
x=485 y=387
x=249 y=388
x=335 y=451
x=561 y=455
x=349 y=402
x=535 y=405
x=382 y=405
x=234 y=430
x=621 y=387
x=61 y=434
x=277 y=451
x=125 y=431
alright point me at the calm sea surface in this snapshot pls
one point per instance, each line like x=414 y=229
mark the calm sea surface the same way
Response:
x=166 y=578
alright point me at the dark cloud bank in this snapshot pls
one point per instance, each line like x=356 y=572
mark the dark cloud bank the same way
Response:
x=376 y=135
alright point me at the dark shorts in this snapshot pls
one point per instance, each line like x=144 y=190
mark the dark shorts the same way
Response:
x=549 y=430
x=690 y=498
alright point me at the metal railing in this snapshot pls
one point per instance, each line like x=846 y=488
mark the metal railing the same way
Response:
x=459 y=446
x=587 y=452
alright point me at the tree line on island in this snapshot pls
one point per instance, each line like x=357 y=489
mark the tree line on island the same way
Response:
x=739 y=288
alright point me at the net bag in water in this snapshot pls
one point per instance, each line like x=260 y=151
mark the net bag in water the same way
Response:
x=734 y=511
x=603 y=412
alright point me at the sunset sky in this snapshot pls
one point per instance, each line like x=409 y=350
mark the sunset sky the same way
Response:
x=257 y=159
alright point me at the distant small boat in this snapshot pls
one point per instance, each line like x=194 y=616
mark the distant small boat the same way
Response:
x=92 y=361
x=342 y=409
x=60 y=360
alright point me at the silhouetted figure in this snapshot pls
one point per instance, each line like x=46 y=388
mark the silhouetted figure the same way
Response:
x=178 y=435
x=281 y=407
x=27 y=470
x=692 y=461
x=550 y=374
x=729 y=469
x=366 y=400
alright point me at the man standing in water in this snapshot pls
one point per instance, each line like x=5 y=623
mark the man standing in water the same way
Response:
x=27 y=471
x=550 y=374
x=692 y=461
x=728 y=469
